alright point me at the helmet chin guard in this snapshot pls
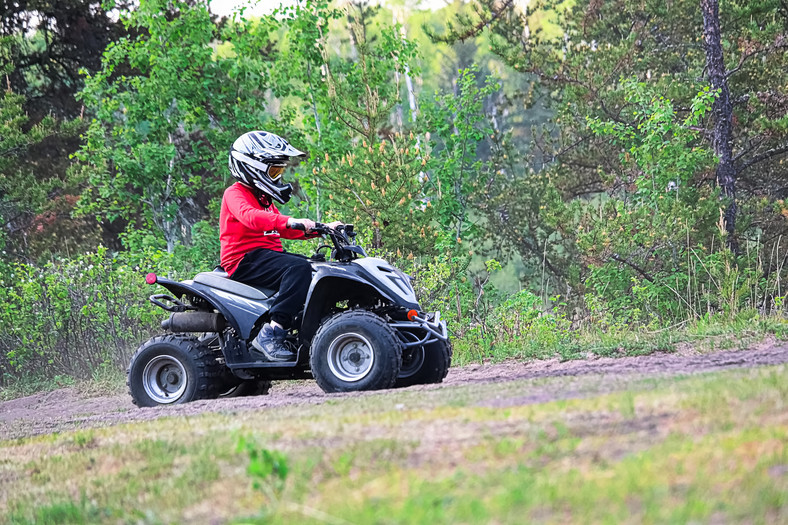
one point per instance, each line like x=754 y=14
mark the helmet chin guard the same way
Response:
x=280 y=193
x=254 y=153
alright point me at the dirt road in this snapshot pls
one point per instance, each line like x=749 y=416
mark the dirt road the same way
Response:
x=66 y=409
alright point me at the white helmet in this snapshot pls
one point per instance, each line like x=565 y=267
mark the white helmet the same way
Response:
x=259 y=158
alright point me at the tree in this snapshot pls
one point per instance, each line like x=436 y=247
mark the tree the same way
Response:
x=367 y=165
x=30 y=203
x=722 y=134
x=462 y=129
x=14 y=141
x=581 y=51
x=156 y=152
x=48 y=44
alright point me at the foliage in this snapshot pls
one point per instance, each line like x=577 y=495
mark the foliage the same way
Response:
x=639 y=241
x=268 y=470
x=155 y=154
x=369 y=165
x=656 y=247
x=663 y=151
x=73 y=317
x=47 y=45
x=27 y=206
x=565 y=144
x=14 y=140
x=525 y=328
x=579 y=51
x=43 y=46
x=459 y=171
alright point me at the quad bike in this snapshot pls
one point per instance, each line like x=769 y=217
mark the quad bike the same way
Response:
x=361 y=329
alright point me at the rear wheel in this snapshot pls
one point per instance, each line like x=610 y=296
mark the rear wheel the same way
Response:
x=423 y=365
x=355 y=350
x=172 y=369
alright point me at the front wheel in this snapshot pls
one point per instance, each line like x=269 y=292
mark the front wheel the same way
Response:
x=172 y=369
x=355 y=350
x=424 y=365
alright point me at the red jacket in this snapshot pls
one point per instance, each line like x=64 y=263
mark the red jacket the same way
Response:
x=247 y=223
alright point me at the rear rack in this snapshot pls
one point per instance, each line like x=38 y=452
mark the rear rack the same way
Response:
x=176 y=306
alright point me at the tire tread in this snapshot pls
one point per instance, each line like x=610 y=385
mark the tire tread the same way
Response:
x=427 y=376
x=209 y=370
x=364 y=316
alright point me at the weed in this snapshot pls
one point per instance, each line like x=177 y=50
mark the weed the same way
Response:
x=268 y=470
x=84 y=438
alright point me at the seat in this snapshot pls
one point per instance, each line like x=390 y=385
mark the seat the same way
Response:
x=221 y=281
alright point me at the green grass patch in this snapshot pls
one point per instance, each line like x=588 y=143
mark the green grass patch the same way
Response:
x=700 y=448
x=558 y=340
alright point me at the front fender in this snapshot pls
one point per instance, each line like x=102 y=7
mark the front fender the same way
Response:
x=330 y=285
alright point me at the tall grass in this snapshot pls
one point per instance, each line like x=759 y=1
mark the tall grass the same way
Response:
x=82 y=318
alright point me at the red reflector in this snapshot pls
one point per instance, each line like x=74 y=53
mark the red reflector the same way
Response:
x=412 y=314
x=150 y=278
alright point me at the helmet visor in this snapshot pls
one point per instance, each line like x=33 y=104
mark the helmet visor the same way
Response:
x=275 y=172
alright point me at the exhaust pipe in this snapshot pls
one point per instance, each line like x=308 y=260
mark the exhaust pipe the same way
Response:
x=194 y=322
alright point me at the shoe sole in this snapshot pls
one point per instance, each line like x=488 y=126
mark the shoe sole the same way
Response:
x=269 y=357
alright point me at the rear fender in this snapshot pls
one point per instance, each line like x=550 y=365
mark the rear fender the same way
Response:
x=179 y=289
x=245 y=311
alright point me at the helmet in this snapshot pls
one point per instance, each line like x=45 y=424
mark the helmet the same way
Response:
x=258 y=159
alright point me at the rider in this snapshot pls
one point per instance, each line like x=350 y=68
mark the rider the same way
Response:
x=250 y=230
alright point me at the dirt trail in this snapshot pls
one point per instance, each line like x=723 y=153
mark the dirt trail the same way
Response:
x=66 y=409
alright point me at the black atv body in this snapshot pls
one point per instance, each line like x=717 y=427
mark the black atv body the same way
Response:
x=361 y=329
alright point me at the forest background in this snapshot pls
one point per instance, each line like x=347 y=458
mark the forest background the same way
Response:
x=558 y=177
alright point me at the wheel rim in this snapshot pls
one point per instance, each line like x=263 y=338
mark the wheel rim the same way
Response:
x=350 y=357
x=412 y=361
x=164 y=379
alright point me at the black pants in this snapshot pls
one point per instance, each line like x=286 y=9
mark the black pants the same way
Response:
x=289 y=273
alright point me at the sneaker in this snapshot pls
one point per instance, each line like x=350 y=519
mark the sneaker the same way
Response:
x=270 y=343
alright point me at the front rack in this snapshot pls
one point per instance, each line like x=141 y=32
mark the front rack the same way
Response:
x=435 y=329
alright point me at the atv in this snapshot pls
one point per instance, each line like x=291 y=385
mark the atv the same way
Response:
x=360 y=329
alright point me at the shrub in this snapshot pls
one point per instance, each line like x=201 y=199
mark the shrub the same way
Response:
x=73 y=317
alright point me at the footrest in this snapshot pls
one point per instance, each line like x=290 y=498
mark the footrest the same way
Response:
x=265 y=364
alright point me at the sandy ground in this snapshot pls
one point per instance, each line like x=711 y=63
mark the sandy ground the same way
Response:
x=66 y=409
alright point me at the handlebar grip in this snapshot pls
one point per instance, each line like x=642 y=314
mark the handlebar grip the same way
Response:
x=321 y=228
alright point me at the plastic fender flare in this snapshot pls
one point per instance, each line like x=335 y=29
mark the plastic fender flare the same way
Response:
x=179 y=288
x=312 y=312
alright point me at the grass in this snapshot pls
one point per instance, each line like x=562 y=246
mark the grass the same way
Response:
x=539 y=341
x=104 y=381
x=705 y=448
x=26 y=386
x=551 y=339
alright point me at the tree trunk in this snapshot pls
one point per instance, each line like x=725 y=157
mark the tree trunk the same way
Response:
x=722 y=138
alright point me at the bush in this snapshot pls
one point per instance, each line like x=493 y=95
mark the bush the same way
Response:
x=73 y=317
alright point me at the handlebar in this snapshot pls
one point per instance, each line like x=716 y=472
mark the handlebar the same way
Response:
x=342 y=237
x=319 y=228
x=324 y=229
